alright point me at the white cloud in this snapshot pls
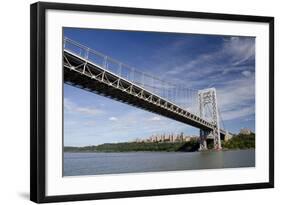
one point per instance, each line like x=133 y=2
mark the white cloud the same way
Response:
x=236 y=98
x=113 y=119
x=68 y=104
x=90 y=123
x=249 y=119
x=240 y=49
x=68 y=122
x=155 y=118
x=236 y=91
x=74 y=108
x=246 y=73
x=87 y=110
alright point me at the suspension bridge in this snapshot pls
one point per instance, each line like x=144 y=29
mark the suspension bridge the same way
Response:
x=93 y=71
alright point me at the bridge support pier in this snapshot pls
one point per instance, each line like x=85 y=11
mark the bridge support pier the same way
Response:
x=217 y=138
x=207 y=100
x=203 y=140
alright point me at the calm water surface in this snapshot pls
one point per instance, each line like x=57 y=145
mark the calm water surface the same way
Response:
x=113 y=163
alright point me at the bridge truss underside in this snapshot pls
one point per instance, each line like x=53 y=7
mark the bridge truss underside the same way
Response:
x=86 y=75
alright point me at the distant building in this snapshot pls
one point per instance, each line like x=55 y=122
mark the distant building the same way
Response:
x=245 y=131
x=166 y=138
x=186 y=138
x=227 y=136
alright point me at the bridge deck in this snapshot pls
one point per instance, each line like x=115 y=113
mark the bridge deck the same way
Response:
x=87 y=75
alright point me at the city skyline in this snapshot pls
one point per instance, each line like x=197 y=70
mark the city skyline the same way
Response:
x=199 y=61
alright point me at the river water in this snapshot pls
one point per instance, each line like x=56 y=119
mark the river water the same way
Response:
x=76 y=164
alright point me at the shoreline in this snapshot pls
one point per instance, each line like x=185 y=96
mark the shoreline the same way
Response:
x=238 y=142
x=210 y=150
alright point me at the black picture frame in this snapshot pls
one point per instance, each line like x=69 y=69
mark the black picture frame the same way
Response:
x=38 y=101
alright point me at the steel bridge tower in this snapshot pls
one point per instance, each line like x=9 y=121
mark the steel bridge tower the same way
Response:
x=207 y=101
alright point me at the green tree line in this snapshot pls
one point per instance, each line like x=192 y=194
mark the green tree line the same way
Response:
x=138 y=146
x=240 y=141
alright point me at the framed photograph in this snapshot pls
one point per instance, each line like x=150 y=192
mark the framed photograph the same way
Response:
x=129 y=102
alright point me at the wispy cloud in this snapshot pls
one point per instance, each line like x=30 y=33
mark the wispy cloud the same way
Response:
x=236 y=98
x=238 y=113
x=230 y=69
x=232 y=55
x=72 y=107
x=239 y=49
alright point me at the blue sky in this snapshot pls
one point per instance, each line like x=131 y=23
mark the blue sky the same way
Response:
x=197 y=61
